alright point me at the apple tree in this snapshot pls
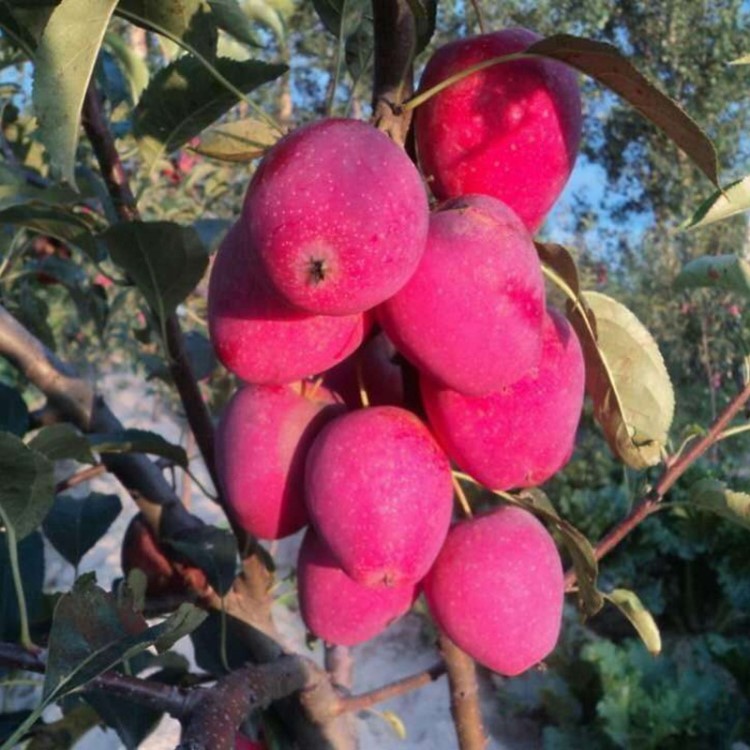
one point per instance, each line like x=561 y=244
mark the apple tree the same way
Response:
x=319 y=227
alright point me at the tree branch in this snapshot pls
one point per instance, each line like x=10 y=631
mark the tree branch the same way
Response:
x=80 y=477
x=116 y=180
x=395 y=41
x=464 y=689
x=393 y=690
x=675 y=467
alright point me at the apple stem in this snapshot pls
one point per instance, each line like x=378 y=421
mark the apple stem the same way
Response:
x=461 y=495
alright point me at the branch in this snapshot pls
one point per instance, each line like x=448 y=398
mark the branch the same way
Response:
x=465 y=709
x=675 y=467
x=395 y=40
x=393 y=690
x=118 y=186
x=80 y=477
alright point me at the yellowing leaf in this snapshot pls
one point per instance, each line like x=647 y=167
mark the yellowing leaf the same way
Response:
x=733 y=200
x=642 y=620
x=238 y=141
x=626 y=379
x=713 y=495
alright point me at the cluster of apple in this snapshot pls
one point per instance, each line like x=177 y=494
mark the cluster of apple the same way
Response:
x=335 y=269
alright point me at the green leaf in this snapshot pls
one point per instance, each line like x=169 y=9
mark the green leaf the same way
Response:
x=27 y=487
x=590 y=599
x=184 y=98
x=626 y=379
x=425 y=17
x=137 y=441
x=229 y=17
x=92 y=632
x=187 y=21
x=713 y=495
x=75 y=525
x=744 y=60
x=732 y=200
x=16 y=189
x=728 y=272
x=238 y=141
x=59 y=442
x=604 y=63
x=359 y=48
x=14 y=414
x=213 y=550
x=641 y=619
x=134 y=67
x=166 y=261
x=53 y=221
x=64 y=62
x=15 y=31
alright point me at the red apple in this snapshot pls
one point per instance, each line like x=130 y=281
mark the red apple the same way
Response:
x=380 y=493
x=524 y=433
x=261 y=445
x=336 y=608
x=471 y=315
x=511 y=130
x=497 y=588
x=260 y=337
x=338 y=214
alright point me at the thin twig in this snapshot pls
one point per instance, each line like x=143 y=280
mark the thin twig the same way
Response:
x=80 y=477
x=675 y=468
x=393 y=690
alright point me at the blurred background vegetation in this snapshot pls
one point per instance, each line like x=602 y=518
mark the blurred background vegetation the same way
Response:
x=621 y=216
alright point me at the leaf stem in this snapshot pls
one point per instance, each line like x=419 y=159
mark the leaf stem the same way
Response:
x=10 y=534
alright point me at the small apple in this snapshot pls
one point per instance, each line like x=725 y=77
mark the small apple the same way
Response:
x=262 y=442
x=164 y=577
x=496 y=590
x=524 y=433
x=511 y=130
x=380 y=494
x=260 y=337
x=471 y=315
x=338 y=215
x=338 y=609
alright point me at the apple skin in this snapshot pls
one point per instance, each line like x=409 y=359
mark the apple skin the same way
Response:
x=511 y=130
x=524 y=433
x=338 y=214
x=257 y=335
x=380 y=494
x=164 y=577
x=338 y=609
x=497 y=588
x=381 y=375
x=471 y=315
x=262 y=442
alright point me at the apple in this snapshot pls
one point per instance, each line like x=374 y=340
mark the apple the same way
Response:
x=262 y=442
x=245 y=743
x=338 y=214
x=336 y=608
x=496 y=590
x=164 y=577
x=260 y=337
x=382 y=377
x=380 y=494
x=524 y=433
x=471 y=315
x=511 y=130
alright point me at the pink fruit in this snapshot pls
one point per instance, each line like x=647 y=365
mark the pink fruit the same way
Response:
x=511 y=130
x=379 y=493
x=497 y=588
x=261 y=446
x=259 y=336
x=524 y=433
x=338 y=214
x=336 y=608
x=381 y=375
x=471 y=315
